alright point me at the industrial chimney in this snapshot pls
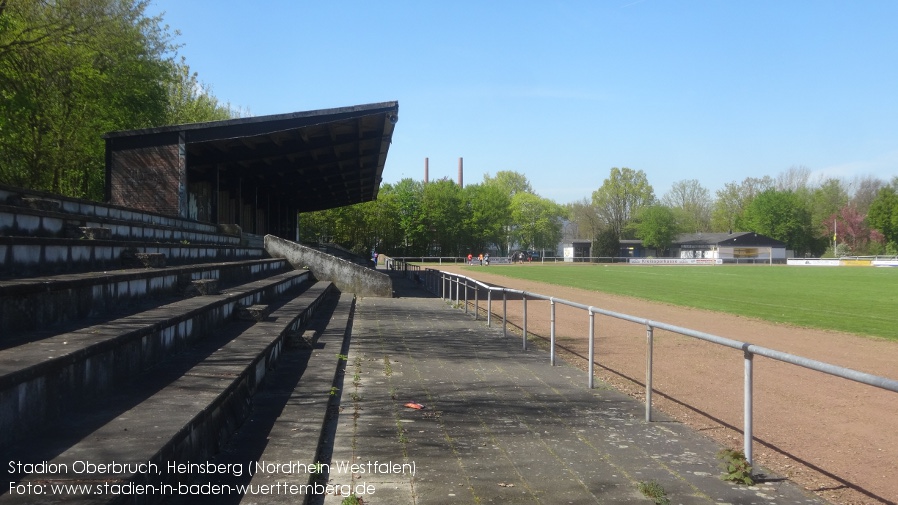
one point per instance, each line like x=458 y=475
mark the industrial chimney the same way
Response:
x=460 y=172
x=426 y=171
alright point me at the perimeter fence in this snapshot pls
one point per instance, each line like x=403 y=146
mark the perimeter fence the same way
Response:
x=467 y=291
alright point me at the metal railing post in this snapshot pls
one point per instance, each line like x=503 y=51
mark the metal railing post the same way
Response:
x=524 y=338
x=552 y=331
x=466 y=295
x=649 y=336
x=592 y=347
x=489 y=308
x=476 y=302
x=457 y=290
x=747 y=435
x=504 y=313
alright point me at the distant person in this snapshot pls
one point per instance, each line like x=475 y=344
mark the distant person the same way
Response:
x=480 y=257
x=486 y=259
x=470 y=259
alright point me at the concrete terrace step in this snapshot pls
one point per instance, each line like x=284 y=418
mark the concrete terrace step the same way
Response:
x=38 y=302
x=48 y=202
x=292 y=415
x=183 y=421
x=29 y=222
x=22 y=256
x=41 y=380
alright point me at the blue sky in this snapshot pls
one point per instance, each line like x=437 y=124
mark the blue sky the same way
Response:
x=562 y=91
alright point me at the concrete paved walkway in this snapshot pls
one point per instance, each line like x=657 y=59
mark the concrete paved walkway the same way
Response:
x=501 y=425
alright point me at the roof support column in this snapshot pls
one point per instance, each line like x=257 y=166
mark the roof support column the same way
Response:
x=215 y=196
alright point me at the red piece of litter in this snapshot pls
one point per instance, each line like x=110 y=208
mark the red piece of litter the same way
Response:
x=413 y=405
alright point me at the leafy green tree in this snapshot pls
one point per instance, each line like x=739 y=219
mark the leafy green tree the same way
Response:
x=443 y=213
x=883 y=214
x=784 y=216
x=190 y=101
x=733 y=199
x=486 y=217
x=537 y=221
x=621 y=196
x=510 y=182
x=71 y=70
x=656 y=226
x=606 y=244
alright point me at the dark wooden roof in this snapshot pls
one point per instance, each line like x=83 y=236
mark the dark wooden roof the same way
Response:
x=315 y=159
x=735 y=239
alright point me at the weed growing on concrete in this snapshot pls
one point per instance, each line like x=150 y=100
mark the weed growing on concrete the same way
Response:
x=388 y=368
x=333 y=391
x=342 y=357
x=653 y=490
x=735 y=467
x=352 y=500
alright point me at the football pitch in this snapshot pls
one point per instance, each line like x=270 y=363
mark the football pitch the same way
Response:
x=860 y=300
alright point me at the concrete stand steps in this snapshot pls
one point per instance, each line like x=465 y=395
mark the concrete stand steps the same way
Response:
x=41 y=380
x=38 y=302
x=291 y=416
x=26 y=256
x=30 y=222
x=173 y=432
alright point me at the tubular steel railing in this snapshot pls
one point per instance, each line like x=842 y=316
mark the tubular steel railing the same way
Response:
x=443 y=283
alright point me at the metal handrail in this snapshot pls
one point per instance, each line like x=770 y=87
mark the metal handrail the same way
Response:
x=749 y=350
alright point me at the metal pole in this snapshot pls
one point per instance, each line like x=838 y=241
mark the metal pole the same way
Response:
x=748 y=435
x=524 y=338
x=592 y=347
x=649 y=335
x=489 y=308
x=476 y=302
x=504 y=313
x=552 y=330
x=466 y=295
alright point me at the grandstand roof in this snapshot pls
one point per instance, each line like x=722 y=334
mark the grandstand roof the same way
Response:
x=314 y=160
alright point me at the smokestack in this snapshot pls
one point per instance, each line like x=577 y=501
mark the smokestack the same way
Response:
x=460 y=172
x=426 y=170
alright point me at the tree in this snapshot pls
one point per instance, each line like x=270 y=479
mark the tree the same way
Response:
x=443 y=213
x=794 y=179
x=621 y=195
x=692 y=203
x=510 y=182
x=656 y=226
x=487 y=216
x=883 y=214
x=782 y=215
x=584 y=215
x=410 y=208
x=190 y=101
x=606 y=244
x=71 y=70
x=733 y=199
x=536 y=221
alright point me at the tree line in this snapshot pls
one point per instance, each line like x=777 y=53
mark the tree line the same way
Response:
x=71 y=70
x=828 y=217
x=440 y=218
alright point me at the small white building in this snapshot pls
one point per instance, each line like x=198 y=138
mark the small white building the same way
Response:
x=733 y=246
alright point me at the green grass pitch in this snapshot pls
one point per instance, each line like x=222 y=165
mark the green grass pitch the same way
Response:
x=860 y=300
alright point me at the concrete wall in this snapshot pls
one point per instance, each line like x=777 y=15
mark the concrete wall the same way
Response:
x=347 y=276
